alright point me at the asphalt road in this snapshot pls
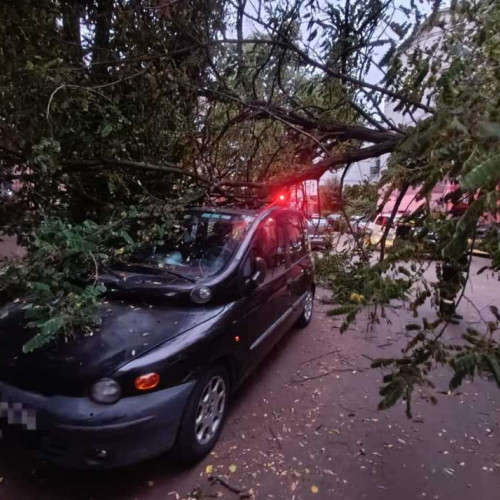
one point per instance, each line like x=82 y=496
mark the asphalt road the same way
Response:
x=290 y=438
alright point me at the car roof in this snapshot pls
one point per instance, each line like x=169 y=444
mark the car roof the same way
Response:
x=225 y=210
x=268 y=209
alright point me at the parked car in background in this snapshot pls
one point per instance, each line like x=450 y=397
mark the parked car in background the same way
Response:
x=487 y=232
x=334 y=220
x=318 y=230
x=183 y=324
x=359 y=223
x=377 y=228
x=403 y=226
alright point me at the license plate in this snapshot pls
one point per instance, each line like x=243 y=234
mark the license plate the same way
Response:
x=18 y=414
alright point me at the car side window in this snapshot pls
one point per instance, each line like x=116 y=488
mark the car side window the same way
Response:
x=296 y=237
x=268 y=244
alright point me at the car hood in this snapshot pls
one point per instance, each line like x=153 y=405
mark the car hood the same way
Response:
x=69 y=366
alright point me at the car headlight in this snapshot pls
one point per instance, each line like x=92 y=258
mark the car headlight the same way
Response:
x=106 y=391
x=201 y=294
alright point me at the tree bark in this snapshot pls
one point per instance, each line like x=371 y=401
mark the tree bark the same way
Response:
x=239 y=48
x=100 y=51
x=71 y=30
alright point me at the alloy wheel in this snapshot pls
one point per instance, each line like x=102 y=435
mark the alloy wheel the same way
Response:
x=210 y=409
x=308 y=305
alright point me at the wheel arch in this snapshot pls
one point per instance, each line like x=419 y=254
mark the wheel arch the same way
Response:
x=231 y=365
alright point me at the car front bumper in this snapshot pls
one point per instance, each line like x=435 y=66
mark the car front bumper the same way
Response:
x=79 y=433
x=318 y=240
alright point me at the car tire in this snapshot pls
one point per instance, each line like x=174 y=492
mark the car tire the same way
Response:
x=204 y=415
x=306 y=316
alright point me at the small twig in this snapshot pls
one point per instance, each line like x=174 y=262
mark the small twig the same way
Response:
x=344 y=214
x=318 y=357
x=335 y=370
x=326 y=301
x=96 y=268
x=47 y=113
x=92 y=88
x=274 y=436
x=478 y=311
x=345 y=408
x=387 y=344
x=390 y=222
x=223 y=482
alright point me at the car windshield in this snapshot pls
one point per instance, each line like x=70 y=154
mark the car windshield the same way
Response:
x=205 y=245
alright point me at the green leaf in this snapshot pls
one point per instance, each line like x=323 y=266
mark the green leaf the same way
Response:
x=413 y=327
x=386 y=58
x=490 y=130
x=464 y=365
x=48 y=330
x=494 y=365
x=312 y=36
x=486 y=173
x=127 y=237
x=39 y=286
x=342 y=310
x=380 y=362
x=108 y=128
x=392 y=393
x=403 y=270
x=495 y=312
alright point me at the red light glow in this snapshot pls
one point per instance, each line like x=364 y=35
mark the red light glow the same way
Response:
x=147 y=382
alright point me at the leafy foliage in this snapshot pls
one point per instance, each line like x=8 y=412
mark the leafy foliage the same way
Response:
x=61 y=297
x=361 y=199
x=458 y=142
x=116 y=109
x=356 y=283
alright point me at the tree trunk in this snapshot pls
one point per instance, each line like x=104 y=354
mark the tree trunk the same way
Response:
x=71 y=30
x=100 y=51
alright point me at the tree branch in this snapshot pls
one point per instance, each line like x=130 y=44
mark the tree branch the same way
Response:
x=314 y=172
x=326 y=69
x=321 y=167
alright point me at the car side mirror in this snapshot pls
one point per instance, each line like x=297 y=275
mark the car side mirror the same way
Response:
x=259 y=274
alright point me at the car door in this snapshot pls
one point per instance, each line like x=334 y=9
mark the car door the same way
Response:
x=264 y=309
x=300 y=267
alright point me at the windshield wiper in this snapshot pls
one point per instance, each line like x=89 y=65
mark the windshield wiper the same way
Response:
x=179 y=275
x=162 y=270
x=110 y=271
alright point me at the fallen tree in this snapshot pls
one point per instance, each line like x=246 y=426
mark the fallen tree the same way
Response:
x=112 y=110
